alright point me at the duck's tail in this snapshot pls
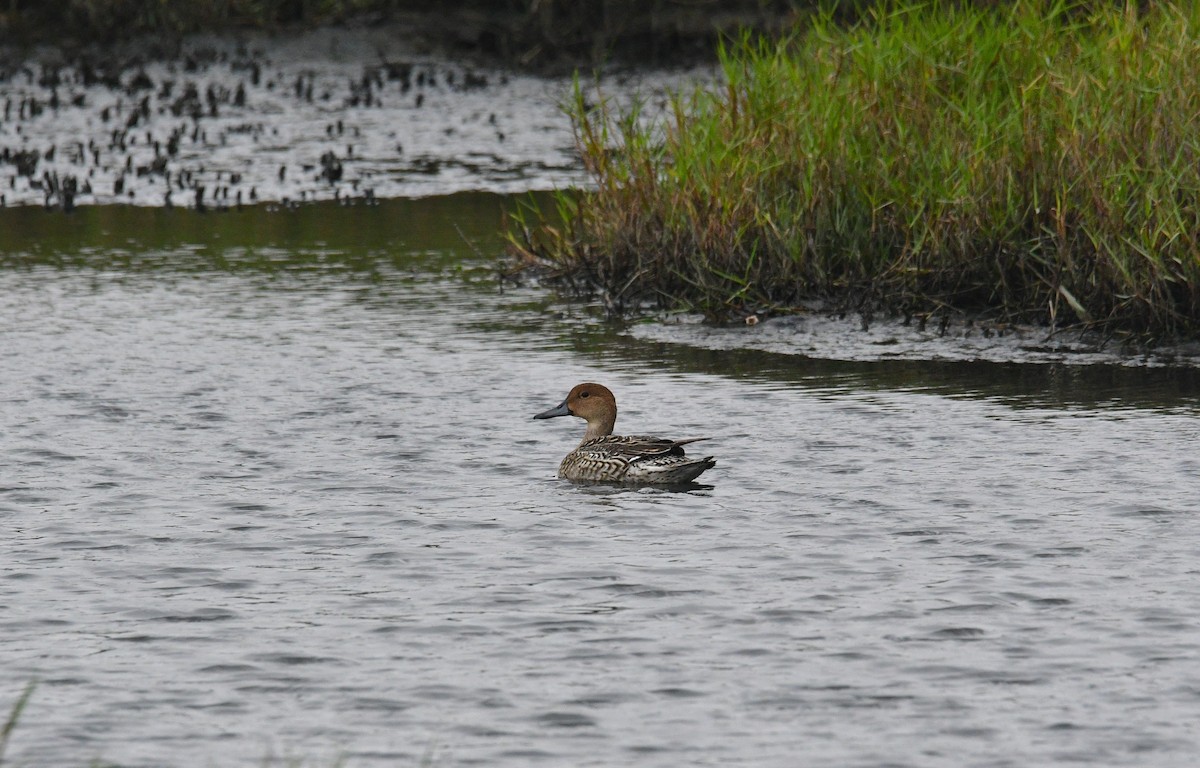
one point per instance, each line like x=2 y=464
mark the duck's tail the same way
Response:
x=692 y=470
x=676 y=472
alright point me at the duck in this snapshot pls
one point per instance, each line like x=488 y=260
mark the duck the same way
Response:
x=603 y=457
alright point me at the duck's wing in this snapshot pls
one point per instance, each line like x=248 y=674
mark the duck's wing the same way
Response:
x=636 y=446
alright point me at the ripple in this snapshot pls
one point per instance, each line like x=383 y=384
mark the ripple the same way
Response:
x=199 y=616
x=959 y=633
x=566 y=720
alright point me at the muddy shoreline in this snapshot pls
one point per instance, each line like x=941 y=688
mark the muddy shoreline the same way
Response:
x=352 y=113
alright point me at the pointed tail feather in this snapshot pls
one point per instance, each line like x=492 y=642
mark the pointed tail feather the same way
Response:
x=676 y=473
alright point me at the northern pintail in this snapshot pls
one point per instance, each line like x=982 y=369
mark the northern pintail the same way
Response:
x=608 y=458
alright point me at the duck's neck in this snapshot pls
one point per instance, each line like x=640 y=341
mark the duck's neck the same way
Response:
x=600 y=427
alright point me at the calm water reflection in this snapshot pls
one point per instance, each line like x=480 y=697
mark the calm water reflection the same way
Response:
x=271 y=490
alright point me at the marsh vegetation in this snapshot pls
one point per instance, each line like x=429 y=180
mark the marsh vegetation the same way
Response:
x=1016 y=163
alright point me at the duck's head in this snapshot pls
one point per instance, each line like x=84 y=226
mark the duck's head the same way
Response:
x=593 y=403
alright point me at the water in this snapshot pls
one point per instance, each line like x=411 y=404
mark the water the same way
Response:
x=272 y=495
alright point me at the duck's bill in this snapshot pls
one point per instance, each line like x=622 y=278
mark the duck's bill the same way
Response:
x=560 y=410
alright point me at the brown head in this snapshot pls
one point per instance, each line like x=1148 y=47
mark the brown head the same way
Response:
x=591 y=402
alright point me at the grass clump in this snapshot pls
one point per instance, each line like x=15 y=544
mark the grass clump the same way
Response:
x=1040 y=163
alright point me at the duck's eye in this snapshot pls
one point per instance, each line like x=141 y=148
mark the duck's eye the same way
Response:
x=585 y=394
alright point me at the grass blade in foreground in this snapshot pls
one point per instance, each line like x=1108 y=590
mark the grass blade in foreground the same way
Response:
x=13 y=717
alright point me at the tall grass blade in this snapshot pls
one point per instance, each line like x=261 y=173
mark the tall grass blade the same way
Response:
x=15 y=715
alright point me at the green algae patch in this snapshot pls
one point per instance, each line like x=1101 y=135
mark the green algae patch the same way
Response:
x=1032 y=165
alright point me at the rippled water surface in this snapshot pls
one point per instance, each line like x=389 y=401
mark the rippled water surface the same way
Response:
x=271 y=493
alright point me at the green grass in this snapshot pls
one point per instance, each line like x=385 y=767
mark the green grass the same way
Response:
x=1037 y=162
x=15 y=715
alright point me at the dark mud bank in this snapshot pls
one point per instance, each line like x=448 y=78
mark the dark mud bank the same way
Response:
x=532 y=35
